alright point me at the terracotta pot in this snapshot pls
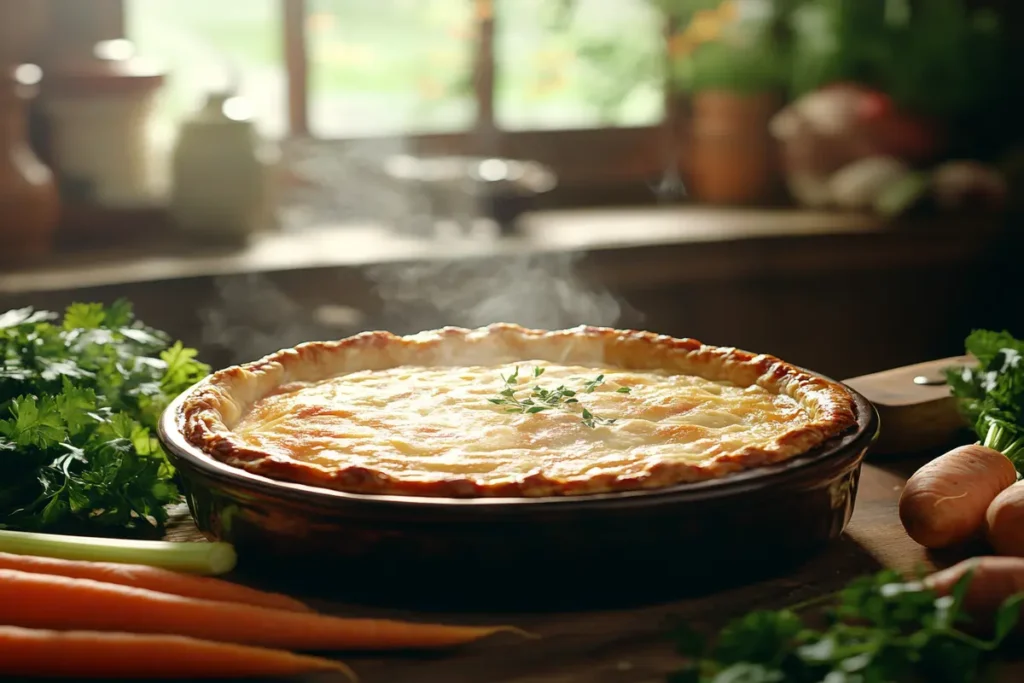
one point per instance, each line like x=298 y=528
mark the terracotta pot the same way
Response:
x=29 y=205
x=732 y=156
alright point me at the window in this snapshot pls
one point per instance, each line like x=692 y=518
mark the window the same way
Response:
x=560 y=70
x=212 y=45
x=390 y=67
x=576 y=84
x=406 y=67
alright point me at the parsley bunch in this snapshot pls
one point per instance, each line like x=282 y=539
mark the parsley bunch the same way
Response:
x=879 y=629
x=80 y=396
x=991 y=395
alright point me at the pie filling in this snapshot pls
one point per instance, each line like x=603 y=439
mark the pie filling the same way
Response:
x=503 y=411
x=499 y=424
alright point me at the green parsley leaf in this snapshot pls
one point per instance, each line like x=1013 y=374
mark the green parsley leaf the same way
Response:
x=79 y=402
x=182 y=369
x=1007 y=617
x=36 y=422
x=84 y=316
x=119 y=314
x=75 y=406
x=990 y=395
x=24 y=317
x=879 y=628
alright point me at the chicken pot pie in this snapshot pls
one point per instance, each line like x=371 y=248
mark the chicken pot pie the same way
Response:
x=507 y=411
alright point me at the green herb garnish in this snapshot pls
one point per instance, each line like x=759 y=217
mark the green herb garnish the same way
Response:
x=991 y=395
x=80 y=397
x=879 y=628
x=540 y=399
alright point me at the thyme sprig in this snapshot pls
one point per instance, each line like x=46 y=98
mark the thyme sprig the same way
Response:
x=540 y=399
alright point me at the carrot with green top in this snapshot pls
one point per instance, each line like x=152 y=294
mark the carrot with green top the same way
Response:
x=151 y=578
x=88 y=654
x=45 y=601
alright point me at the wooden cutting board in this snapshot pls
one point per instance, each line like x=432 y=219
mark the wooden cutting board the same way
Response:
x=914 y=403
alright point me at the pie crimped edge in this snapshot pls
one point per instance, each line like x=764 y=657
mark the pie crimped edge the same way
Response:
x=225 y=396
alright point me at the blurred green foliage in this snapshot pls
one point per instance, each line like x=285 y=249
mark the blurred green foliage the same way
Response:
x=747 y=59
x=935 y=57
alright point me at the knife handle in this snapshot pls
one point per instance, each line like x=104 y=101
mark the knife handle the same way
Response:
x=917 y=411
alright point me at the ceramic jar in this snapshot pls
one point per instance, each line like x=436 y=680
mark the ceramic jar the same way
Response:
x=221 y=172
x=99 y=108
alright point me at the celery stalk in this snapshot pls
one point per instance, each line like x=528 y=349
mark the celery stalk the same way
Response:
x=192 y=558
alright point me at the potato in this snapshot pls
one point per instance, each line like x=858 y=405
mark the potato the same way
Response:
x=1005 y=521
x=945 y=502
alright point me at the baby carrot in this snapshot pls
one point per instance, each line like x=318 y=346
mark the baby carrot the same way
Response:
x=88 y=654
x=44 y=601
x=152 y=578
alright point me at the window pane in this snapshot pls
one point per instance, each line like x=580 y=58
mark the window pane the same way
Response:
x=390 y=66
x=203 y=41
x=578 y=63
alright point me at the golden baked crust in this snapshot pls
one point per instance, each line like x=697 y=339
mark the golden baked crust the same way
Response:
x=271 y=417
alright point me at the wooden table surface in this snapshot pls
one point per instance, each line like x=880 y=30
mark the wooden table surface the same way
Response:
x=629 y=646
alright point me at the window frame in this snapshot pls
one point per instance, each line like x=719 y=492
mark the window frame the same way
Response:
x=617 y=163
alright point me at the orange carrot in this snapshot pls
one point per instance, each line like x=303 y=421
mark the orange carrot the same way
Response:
x=152 y=578
x=89 y=654
x=993 y=580
x=1005 y=522
x=45 y=601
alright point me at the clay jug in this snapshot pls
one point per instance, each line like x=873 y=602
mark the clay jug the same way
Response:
x=29 y=204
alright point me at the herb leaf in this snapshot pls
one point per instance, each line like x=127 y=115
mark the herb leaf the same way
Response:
x=991 y=395
x=541 y=399
x=80 y=397
x=84 y=316
x=1007 y=617
x=878 y=628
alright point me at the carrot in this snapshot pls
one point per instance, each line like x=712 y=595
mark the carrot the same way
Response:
x=993 y=580
x=88 y=654
x=151 y=578
x=1005 y=520
x=944 y=502
x=45 y=601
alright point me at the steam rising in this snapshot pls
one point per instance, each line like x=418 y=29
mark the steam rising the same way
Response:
x=335 y=183
x=251 y=316
x=540 y=291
